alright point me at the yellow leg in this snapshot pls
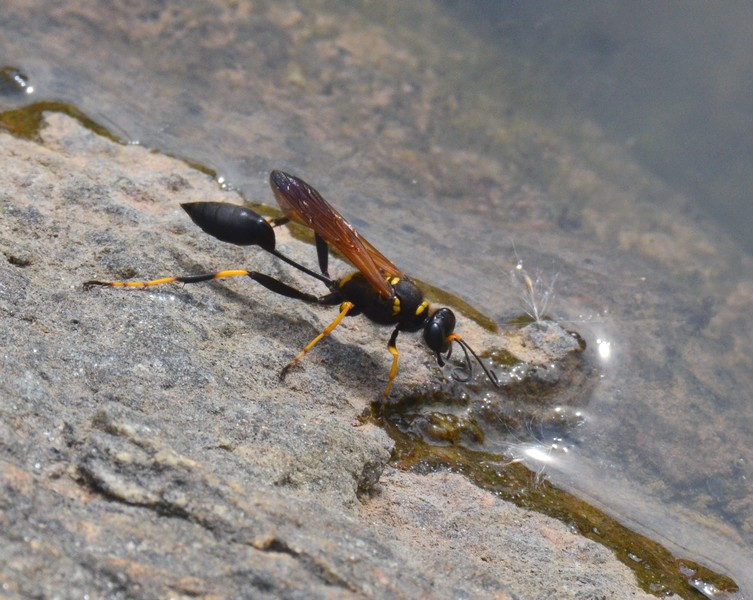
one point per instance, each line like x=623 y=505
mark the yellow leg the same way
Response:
x=186 y=279
x=392 y=347
x=345 y=308
x=393 y=370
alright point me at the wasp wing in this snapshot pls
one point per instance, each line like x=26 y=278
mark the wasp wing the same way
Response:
x=304 y=205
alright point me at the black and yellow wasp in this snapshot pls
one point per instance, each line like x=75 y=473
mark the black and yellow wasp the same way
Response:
x=377 y=289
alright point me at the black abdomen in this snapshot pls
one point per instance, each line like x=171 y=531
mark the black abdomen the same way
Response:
x=232 y=224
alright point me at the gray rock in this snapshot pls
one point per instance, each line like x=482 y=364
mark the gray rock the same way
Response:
x=149 y=450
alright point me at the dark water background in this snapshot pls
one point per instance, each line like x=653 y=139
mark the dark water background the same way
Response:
x=671 y=82
x=606 y=146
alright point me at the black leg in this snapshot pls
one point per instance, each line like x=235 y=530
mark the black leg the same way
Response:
x=322 y=253
x=278 y=287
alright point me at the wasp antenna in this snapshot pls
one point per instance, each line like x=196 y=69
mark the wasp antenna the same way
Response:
x=468 y=363
x=466 y=349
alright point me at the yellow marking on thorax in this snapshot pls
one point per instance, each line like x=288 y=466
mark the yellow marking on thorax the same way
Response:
x=393 y=281
x=347 y=278
x=422 y=307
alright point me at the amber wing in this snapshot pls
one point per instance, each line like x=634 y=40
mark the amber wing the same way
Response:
x=304 y=205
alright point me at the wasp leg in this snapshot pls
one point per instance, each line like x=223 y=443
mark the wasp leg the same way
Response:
x=345 y=308
x=278 y=287
x=277 y=221
x=183 y=279
x=392 y=347
x=268 y=282
x=322 y=253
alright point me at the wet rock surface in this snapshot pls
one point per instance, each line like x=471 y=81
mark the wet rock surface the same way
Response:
x=148 y=448
x=544 y=383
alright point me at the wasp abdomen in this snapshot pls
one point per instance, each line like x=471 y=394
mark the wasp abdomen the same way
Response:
x=232 y=223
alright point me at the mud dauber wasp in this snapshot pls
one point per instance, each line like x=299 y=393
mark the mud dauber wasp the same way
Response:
x=378 y=289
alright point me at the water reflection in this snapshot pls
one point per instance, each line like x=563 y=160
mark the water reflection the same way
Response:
x=13 y=81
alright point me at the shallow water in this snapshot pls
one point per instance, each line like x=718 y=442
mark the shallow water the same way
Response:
x=450 y=141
